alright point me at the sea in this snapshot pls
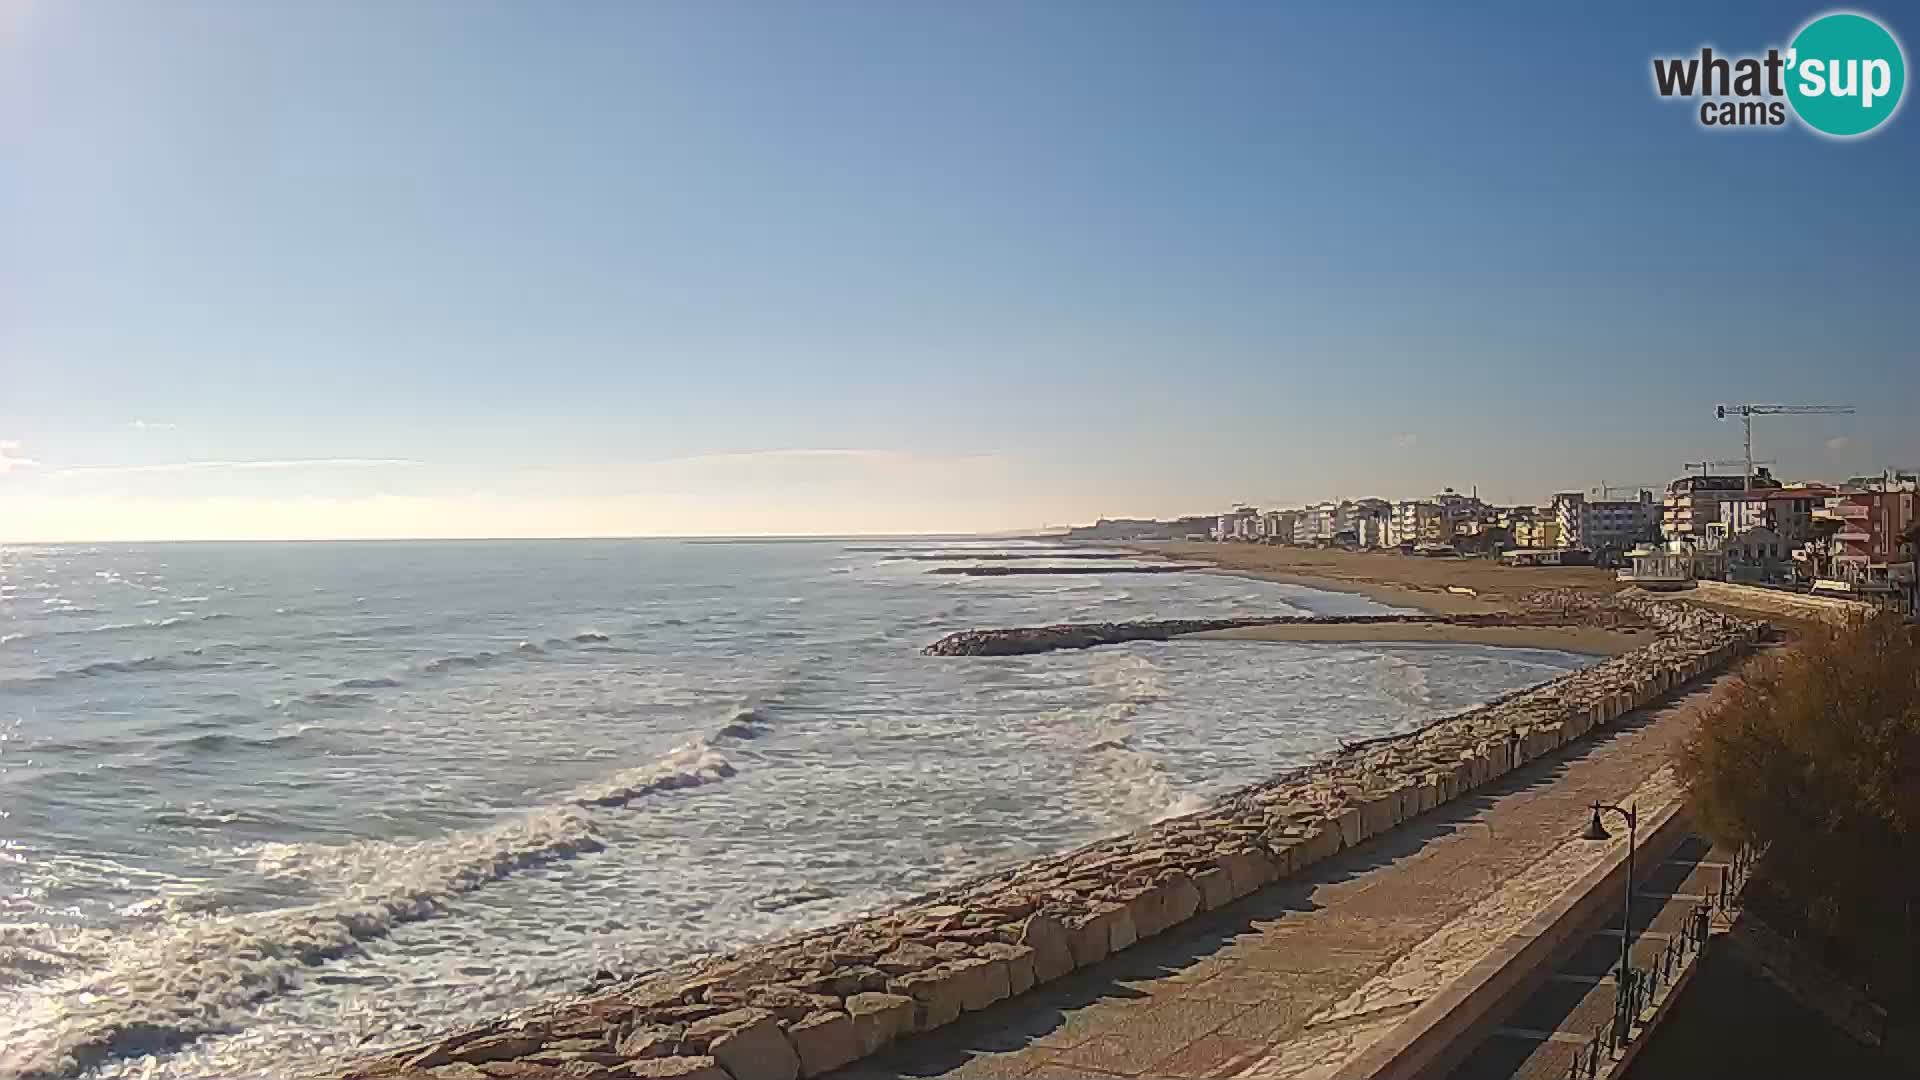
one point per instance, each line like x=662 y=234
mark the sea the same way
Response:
x=267 y=806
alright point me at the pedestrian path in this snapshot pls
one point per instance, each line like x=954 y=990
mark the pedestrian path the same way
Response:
x=1563 y=1029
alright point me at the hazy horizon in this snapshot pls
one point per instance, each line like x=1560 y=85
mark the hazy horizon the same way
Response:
x=501 y=270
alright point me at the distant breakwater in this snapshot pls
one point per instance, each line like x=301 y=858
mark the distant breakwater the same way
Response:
x=1011 y=556
x=1026 y=640
x=1006 y=571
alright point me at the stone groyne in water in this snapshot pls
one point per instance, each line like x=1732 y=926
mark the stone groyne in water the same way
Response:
x=821 y=1000
x=1026 y=640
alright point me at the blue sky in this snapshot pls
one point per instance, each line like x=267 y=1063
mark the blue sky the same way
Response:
x=366 y=269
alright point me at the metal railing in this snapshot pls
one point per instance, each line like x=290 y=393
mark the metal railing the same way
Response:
x=1636 y=989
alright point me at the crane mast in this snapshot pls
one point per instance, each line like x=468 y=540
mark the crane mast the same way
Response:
x=1746 y=413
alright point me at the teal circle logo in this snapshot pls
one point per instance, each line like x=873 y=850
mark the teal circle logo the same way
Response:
x=1845 y=74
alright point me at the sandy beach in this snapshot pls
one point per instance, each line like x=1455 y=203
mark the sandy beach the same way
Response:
x=1580 y=639
x=1390 y=577
x=1410 y=581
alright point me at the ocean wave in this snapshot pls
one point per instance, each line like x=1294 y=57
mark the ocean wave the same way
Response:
x=206 y=816
x=488 y=657
x=355 y=632
x=161 y=988
x=461 y=660
x=745 y=723
x=336 y=699
x=686 y=766
x=378 y=683
x=182 y=661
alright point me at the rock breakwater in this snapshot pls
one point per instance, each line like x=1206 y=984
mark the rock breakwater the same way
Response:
x=1011 y=571
x=821 y=1000
x=1025 y=640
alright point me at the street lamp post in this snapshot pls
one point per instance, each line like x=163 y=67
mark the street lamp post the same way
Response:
x=1598 y=831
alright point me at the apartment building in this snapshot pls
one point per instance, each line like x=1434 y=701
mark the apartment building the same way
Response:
x=1603 y=524
x=1693 y=502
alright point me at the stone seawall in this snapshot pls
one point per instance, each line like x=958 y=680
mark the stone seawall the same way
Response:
x=1832 y=610
x=820 y=1000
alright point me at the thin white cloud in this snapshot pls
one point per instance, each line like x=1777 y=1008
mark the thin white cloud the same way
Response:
x=1406 y=440
x=807 y=455
x=219 y=466
x=1839 y=443
x=11 y=458
x=152 y=425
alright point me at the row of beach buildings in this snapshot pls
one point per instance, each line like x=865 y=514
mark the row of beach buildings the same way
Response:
x=1857 y=536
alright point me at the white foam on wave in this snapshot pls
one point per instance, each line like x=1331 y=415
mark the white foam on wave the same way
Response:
x=688 y=765
x=1114 y=781
x=1405 y=682
x=160 y=987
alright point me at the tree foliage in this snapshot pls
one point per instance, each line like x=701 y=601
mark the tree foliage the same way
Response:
x=1816 y=752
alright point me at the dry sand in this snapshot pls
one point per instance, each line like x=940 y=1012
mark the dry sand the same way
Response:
x=1390 y=577
x=1413 y=581
x=1580 y=639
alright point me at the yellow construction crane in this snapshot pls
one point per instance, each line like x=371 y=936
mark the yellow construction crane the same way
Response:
x=1746 y=413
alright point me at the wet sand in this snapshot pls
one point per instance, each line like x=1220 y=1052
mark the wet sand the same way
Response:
x=1580 y=639
x=1389 y=577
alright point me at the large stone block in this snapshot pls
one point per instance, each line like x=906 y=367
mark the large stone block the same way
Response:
x=824 y=1041
x=672 y=1068
x=936 y=993
x=1087 y=936
x=1052 y=952
x=1216 y=888
x=1349 y=826
x=1019 y=960
x=1318 y=841
x=754 y=1048
x=1378 y=814
x=502 y=1047
x=1430 y=792
x=1179 y=900
x=878 y=1019
x=1121 y=932
x=982 y=981
x=1148 y=911
x=1540 y=742
x=1248 y=870
x=1466 y=775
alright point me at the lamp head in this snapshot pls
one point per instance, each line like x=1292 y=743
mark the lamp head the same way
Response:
x=1595 y=830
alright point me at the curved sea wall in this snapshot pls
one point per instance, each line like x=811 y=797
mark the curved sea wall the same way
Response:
x=816 y=1002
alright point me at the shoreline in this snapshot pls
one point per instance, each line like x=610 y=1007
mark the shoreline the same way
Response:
x=1586 y=640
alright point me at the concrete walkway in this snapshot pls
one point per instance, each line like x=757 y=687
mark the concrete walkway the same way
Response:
x=1540 y=1038
x=1297 y=979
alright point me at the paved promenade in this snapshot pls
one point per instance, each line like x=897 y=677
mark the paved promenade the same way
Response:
x=1295 y=980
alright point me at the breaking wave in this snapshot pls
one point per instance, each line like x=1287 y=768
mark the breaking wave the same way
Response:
x=685 y=766
x=163 y=987
x=488 y=657
x=184 y=660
